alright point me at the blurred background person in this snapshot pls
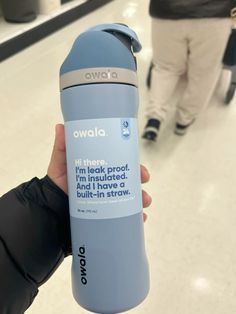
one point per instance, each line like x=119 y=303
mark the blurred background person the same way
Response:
x=188 y=37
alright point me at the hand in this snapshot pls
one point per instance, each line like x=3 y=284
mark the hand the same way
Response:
x=57 y=170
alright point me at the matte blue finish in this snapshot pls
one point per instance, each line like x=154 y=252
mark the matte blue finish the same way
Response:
x=97 y=105
x=120 y=28
x=105 y=51
x=114 y=266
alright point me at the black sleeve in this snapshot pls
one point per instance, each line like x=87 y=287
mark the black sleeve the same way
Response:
x=34 y=239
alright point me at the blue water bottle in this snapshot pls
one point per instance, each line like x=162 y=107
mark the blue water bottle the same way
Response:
x=99 y=101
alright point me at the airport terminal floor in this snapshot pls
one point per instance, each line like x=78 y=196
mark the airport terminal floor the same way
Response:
x=190 y=233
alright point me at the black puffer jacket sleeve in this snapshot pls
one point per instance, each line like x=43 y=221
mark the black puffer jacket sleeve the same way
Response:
x=34 y=239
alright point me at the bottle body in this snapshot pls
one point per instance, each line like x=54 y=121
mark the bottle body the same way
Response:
x=110 y=270
x=99 y=101
x=116 y=279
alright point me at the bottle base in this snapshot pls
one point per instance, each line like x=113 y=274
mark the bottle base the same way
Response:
x=113 y=310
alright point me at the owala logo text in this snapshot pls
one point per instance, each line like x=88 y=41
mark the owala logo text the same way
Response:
x=82 y=262
x=101 y=75
x=95 y=132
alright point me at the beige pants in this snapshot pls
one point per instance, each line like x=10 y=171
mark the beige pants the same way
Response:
x=191 y=47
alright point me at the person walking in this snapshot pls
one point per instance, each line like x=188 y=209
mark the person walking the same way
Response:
x=188 y=37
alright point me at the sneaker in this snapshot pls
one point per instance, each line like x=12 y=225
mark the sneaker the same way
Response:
x=151 y=130
x=181 y=129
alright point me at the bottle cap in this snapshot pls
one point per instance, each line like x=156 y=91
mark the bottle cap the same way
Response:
x=120 y=28
x=103 y=53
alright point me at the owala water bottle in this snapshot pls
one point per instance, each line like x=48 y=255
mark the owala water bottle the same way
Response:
x=99 y=99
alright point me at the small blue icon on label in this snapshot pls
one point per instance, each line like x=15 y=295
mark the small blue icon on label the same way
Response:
x=125 y=124
x=125 y=128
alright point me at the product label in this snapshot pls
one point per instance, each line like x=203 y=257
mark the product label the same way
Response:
x=103 y=168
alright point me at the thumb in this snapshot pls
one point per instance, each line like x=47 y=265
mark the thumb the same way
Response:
x=57 y=165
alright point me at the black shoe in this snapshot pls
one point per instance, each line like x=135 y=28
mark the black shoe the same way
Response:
x=181 y=129
x=151 y=130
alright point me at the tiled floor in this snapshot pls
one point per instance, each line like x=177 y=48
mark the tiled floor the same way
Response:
x=190 y=234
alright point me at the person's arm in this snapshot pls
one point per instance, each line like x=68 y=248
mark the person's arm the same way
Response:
x=34 y=239
x=34 y=233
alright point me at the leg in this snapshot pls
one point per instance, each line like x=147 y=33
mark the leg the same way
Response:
x=169 y=58
x=207 y=42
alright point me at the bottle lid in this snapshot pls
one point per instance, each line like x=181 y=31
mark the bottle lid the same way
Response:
x=99 y=53
x=122 y=29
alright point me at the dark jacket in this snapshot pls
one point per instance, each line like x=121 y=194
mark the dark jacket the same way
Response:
x=187 y=9
x=34 y=239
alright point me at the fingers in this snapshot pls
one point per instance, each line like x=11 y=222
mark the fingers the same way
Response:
x=145 y=217
x=147 y=200
x=145 y=176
